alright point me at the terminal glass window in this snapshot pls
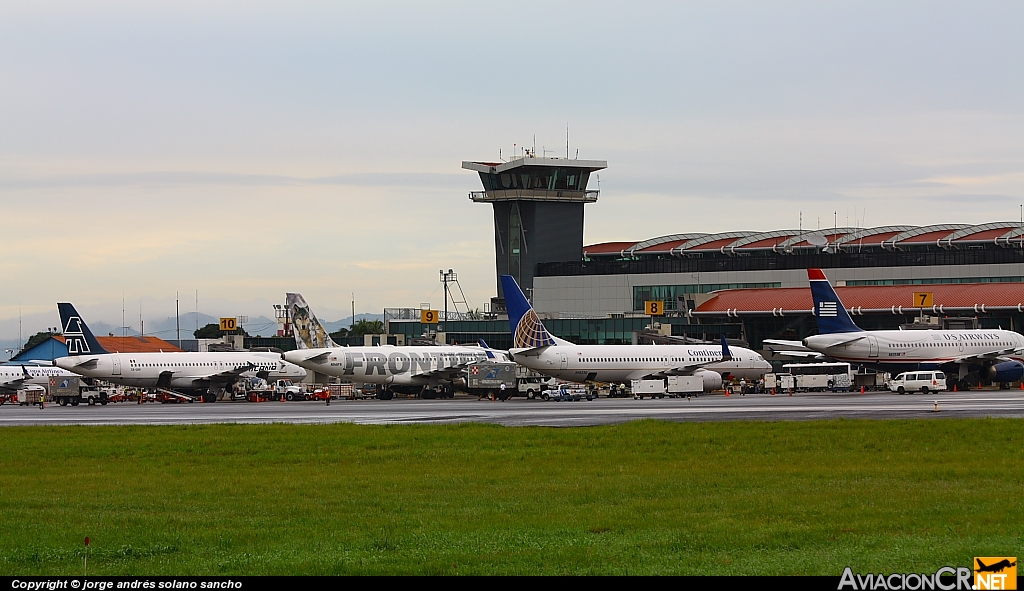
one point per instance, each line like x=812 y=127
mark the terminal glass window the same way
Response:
x=674 y=296
x=935 y=281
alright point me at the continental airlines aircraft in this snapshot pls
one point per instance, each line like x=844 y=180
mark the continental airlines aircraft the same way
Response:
x=535 y=348
x=16 y=377
x=993 y=355
x=205 y=372
x=405 y=369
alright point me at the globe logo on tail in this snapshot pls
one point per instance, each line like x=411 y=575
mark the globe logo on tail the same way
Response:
x=530 y=332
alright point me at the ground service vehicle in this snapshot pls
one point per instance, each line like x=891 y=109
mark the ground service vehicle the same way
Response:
x=652 y=388
x=918 y=381
x=566 y=393
x=685 y=385
x=490 y=376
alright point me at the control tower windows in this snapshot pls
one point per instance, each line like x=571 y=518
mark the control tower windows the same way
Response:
x=545 y=179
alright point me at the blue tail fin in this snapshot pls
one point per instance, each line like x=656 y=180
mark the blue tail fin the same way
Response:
x=726 y=353
x=828 y=308
x=487 y=349
x=77 y=336
x=528 y=331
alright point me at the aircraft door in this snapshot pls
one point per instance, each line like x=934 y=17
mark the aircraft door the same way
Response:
x=563 y=360
x=117 y=364
x=872 y=347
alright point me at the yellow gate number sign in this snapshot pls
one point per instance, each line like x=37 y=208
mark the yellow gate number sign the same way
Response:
x=228 y=324
x=428 y=316
x=924 y=299
x=654 y=308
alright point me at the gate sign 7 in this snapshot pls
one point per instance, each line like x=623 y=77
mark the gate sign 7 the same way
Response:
x=654 y=307
x=228 y=324
x=924 y=299
x=428 y=316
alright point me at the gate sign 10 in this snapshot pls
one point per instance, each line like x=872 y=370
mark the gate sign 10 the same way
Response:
x=654 y=307
x=924 y=299
x=228 y=324
x=428 y=316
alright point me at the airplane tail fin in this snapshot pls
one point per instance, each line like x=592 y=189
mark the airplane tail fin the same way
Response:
x=77 y=336
x=528 y=332
x=309 y=333
x=828 y=308
x=726 y=353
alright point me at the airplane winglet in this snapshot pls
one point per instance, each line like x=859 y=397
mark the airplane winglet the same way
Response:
x=487 y=349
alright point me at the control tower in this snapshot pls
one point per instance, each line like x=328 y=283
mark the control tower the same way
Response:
x=538 y=213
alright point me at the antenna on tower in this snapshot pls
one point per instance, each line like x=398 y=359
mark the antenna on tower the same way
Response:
x=566 y=140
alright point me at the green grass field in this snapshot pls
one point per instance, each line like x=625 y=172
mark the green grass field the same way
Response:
x=646 y=497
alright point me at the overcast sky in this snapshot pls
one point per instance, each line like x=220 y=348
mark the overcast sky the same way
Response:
x=247 y=149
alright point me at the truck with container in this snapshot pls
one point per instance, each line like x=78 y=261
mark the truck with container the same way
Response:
x=492 y=378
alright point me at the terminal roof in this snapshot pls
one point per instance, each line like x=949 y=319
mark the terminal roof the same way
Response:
x=871 y=297
x=845 y=239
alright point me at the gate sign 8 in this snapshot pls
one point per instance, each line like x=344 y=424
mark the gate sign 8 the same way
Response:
x=428 y=316
x=228 y=324
x=654 y=307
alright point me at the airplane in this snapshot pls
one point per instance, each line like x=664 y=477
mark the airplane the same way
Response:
x=425 y=370
x=204 y=373
x=16 y=377
x=993 y=355
x=994 y=568
x=536 y=348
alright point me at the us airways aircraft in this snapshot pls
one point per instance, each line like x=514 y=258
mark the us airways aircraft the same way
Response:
x=535 y=348
x=990 y=355
x=16 y=377
x=413 y=369
x=203 y=372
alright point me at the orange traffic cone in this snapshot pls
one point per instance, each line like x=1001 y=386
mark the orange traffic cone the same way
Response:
x=862 y=389
x=954 y=386
x=773 y=391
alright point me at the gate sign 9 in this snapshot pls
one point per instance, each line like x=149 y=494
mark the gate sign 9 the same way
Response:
x=654 y=307
x=428 y=316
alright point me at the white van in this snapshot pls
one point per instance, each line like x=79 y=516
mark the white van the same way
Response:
x=918 y=381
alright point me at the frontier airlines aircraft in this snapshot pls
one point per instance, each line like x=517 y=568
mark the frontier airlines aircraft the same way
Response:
x=415 y=369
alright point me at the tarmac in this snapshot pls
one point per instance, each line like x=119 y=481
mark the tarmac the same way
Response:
x=523 y=412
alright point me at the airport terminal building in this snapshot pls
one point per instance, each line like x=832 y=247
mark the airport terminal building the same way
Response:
x=748 y=285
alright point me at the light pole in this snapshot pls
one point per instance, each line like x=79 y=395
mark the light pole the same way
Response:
x=446 y=278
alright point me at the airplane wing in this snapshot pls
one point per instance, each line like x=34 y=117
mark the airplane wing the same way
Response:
x=788 y=345
x=318 y=358
x=534 y=352
x=228 y=375
x=799 y=354
x=16 y=383
x=999 y=355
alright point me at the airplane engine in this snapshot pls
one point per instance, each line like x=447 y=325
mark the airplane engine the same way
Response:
x=1007 y=371
x=712 y=380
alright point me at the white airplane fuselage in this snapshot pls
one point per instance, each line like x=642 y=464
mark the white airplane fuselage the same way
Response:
x=621 y=363
x=907 y=350
x=13 y=376
x=186 y=370
x=388 y=364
